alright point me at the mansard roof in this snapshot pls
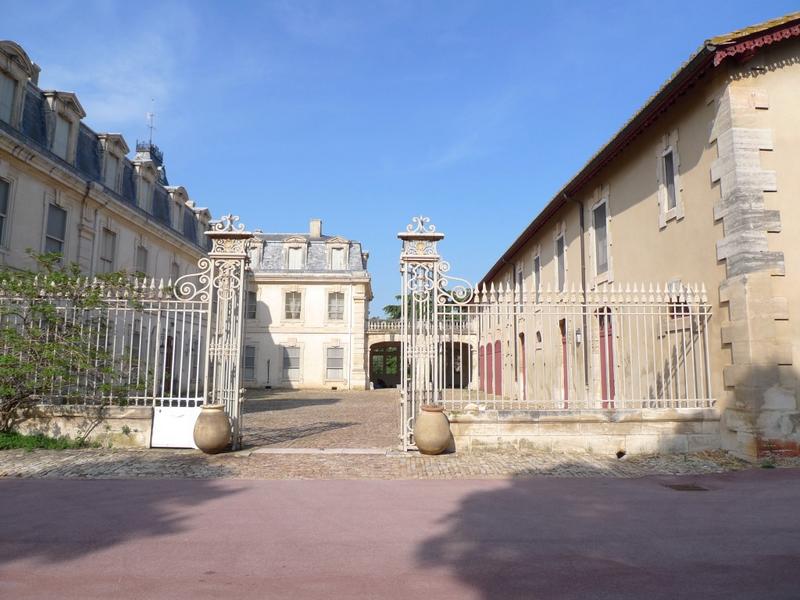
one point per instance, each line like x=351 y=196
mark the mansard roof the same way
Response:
x=268 y=253
x=89 y=154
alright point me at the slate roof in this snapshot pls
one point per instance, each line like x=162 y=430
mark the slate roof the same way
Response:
x=270 y=248
x=88 y=164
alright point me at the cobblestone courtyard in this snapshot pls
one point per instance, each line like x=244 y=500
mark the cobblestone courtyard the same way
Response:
x=165 y=464
x=341 y=435
x=321 y=419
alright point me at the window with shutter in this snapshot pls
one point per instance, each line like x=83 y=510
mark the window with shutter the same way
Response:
x=249 y=370
x=108 y=246
x=600 y=222
x=291 y=363
x=56 y=231
x=336 y=306
x=335 y=364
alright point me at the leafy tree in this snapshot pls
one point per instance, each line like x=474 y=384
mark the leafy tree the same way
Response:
x=393 y=311
x=51 y=324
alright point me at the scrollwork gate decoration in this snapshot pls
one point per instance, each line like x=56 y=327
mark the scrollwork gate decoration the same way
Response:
x=223 y=283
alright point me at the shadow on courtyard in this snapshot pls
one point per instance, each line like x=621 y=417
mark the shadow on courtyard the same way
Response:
x=55 y=520
x=267 y=404
x=552 y=537
x=266 y=437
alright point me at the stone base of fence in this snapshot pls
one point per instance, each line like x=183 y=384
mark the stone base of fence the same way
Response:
x=652 y=431
x=117 y=426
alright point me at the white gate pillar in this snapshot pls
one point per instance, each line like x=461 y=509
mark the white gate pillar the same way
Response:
x=228 y=257
x=420 y=266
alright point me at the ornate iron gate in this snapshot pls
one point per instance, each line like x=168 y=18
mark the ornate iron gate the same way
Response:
x=172 y=346
x=638 y=346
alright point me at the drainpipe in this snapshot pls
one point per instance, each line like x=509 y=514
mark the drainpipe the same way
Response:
x=582 y=227
x=80 y=226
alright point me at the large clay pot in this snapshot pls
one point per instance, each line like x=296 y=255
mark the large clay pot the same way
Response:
x=212 y=430
x=432 y=430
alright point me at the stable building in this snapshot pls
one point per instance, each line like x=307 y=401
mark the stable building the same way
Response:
x=700 y=186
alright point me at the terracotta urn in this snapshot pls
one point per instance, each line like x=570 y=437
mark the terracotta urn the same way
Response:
x=212 y=430
x=432 y=430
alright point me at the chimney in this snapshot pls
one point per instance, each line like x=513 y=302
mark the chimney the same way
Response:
x=315 y=228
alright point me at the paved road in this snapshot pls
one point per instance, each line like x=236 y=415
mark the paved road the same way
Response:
x=523 y=538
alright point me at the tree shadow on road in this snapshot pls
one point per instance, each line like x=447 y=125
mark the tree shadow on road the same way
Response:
x=53 y=520
x=549 y=537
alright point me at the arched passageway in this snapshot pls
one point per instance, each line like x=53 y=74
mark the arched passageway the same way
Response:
x=384 y=364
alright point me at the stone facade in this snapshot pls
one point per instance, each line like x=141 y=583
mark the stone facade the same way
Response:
x=722 y=213
x=65 y=188
x=308 y=305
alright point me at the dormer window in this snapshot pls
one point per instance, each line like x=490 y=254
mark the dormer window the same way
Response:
x=61 y=137
x=337 y=259
x=295 y=258
x=145 y=195
x=112 y=172
x=8 y=91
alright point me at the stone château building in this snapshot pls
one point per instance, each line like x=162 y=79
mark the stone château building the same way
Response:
x=306 y=311
x=65 y=188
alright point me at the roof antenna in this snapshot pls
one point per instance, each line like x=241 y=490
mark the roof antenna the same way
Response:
x=151 y=119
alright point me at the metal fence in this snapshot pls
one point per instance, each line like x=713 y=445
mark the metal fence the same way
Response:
x=171 y=345
x=632 y=346
x=147 y=344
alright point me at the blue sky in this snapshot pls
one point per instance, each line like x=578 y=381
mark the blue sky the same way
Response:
x=365 y=114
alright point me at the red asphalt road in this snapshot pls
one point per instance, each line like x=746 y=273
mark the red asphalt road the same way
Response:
x=524 y=538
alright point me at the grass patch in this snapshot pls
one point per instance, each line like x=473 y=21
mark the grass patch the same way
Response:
x=9 y=441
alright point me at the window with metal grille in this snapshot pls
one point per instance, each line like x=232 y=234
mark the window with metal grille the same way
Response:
x=8 y=89
x=291 y=363
x=600 y=238
x=4 y=192
x=337 y=259
x=293 y=305
x=336 y=306
x=108 y=248
x=537 y=275
x=61 y=136
x=249 y=370
x=295 y=258
x=252 y=303
x=56 y=231
x=335 y=363
x=141 y=259
x=669 y=179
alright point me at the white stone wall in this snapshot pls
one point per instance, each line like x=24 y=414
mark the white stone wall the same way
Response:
x=313 y=333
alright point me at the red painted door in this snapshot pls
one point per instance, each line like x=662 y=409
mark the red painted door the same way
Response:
x=562 y=325
x=489 y=363
x=606 y=359
x=481 y=367
x=498 y=369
